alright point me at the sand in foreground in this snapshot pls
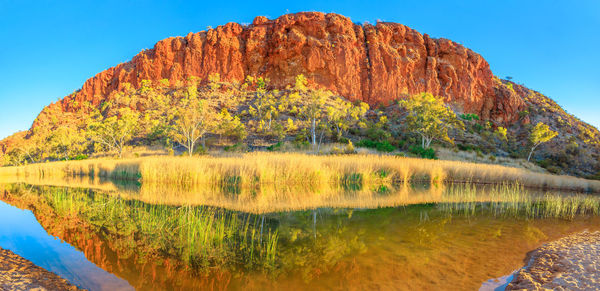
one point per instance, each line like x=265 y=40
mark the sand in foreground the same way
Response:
x=570 y=263
x=17 y=273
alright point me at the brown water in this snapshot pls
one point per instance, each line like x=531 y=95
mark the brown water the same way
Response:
x=454 y=245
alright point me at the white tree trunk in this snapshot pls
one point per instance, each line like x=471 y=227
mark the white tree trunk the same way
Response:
x=531 y=152
x=313 y=132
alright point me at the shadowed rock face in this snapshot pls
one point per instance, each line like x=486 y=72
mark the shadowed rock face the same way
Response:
x=373 y=63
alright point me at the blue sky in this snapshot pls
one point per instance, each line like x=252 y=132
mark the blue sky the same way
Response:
x=49 y=48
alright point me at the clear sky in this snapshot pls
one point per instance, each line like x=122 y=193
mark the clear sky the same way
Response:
x=49 y=48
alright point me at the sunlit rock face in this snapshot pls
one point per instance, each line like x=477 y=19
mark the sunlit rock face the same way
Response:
x=373 y=63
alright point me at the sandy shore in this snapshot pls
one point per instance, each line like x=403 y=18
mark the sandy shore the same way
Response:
x=17 y=273
x=570 y=263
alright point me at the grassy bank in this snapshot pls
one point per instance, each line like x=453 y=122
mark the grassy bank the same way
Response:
x=297 y=171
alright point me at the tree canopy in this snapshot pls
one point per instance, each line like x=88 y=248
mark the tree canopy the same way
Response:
x=541 y=133
x=429 y=117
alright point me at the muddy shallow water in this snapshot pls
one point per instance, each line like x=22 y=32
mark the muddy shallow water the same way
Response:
x=103 y=240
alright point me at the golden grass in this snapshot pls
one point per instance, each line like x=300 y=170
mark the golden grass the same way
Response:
x=298 y=171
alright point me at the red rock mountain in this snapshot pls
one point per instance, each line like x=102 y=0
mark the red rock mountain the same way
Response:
x=373 y=63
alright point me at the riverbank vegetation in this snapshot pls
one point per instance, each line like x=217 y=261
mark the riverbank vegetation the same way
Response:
x=282 y=171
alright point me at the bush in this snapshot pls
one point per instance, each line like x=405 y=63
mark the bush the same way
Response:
x=469 y=116
x=428 y=153
x=378 y=134
x=348 y=149
x=366 y=143
x=467 y=147
x=238 y=147
x=275 y=147
x=80 y=157
x=200 y=150
x=594 y=177
x=384 y=146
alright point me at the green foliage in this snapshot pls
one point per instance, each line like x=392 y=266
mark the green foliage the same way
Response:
x=430 y=117
x=65 y=143
x=80 y=157
x=541 y=133
x=595 y=177
x=469 y=116
x=377 y=130
x=192 y=119
x=275 y=147
x=384 y=146
x=367 y=143
x=343 y=114
x=231 y=126
x=478 y=127
x=501 y=133
x=426 y=153
x=238 y=147
x=114 y=132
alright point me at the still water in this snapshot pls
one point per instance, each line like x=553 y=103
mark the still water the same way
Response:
x=126 y=237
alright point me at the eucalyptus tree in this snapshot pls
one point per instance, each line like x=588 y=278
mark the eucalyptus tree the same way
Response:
x=115 y=131
x=429 y=117
x=540 y=134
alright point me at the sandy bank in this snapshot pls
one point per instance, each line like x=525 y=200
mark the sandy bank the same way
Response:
x=17 y=273
x=570 y=263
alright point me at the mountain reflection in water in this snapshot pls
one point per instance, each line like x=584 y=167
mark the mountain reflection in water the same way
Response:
x=158 y=237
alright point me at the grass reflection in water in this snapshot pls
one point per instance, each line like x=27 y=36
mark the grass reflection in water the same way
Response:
x=304 y=235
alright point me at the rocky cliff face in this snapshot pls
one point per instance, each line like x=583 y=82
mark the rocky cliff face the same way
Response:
x=373 y=63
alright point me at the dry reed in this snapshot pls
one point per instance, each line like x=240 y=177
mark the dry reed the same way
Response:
x=298 y=171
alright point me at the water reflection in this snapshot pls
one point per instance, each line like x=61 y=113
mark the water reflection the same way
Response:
x=153 y=238
x=21 y=233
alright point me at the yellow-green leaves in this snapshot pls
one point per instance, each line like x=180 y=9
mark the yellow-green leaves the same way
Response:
x=193 y=118
x=114 y=131
x=501 y=133
x=429 y=117
x=541 y=133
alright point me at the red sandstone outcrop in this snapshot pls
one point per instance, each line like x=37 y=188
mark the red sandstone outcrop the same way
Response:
x=373 y=63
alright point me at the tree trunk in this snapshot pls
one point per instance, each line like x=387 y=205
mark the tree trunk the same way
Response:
x=531 y=152
x=428 y=143
x=313 y=132
x=320 y=139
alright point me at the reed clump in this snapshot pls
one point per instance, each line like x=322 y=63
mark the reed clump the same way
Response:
x=201 y=237
x=300 y=171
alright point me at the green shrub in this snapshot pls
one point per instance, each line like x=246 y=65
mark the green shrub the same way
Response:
x=379 y=134
x=469 y=116
x=366 y=143
x=384 y=146
x=80 y=157
x=275 y=147
x=428 y=153
x=594 y=177
x=467 y=147
x=238 y=147
x=479 y=153
x=523 y=113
